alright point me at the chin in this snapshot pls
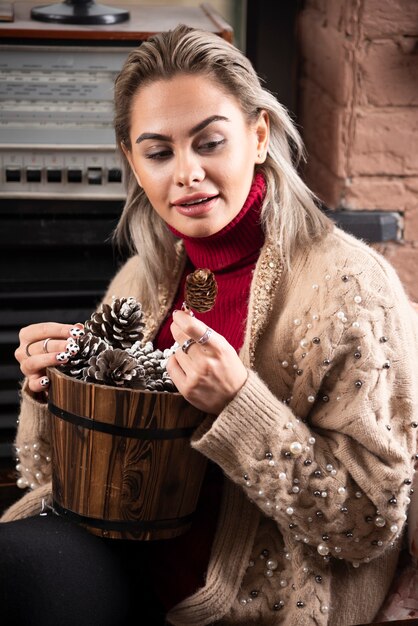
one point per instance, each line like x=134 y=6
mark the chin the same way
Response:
x=200 y=230
x=199 y=233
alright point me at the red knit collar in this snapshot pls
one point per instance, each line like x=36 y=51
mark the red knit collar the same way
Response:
x=237 y=241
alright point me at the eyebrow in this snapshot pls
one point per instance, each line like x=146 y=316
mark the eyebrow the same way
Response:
x=192 y=131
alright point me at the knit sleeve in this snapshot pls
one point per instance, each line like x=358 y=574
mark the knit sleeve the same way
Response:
x=33 y=441
x=332 y=462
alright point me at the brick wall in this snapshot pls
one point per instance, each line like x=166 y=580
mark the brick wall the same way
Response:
x=358 y=111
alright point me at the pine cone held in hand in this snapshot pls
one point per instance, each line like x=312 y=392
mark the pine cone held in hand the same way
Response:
x=201 y=290
x=120 y=323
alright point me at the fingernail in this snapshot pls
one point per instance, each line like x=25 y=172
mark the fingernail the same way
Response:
x=45 y=381
x=175 y=311
x=62 y=356
x=185 y=307
x=72 y=349
x=77 y=332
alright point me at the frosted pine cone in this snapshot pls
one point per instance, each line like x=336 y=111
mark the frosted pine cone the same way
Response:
x=154 y=364
x=120 y=323
x=114 y=367
x=89 y=346
x=161 y=384
x=201 y=290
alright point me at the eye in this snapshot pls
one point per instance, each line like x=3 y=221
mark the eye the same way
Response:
x=209 y=146
x=159 y=155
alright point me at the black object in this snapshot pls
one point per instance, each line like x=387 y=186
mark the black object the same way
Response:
x=79 y=12
x=82 y=579
x=372 y=226
x=123 y=525
x=145 y=434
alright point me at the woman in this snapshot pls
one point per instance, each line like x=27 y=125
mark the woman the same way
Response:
x=311 y=430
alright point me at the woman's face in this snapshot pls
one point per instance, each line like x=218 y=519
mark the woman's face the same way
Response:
x=193 y=152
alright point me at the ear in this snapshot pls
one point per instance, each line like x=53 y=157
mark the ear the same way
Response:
x=262 y=129
x=128 y=156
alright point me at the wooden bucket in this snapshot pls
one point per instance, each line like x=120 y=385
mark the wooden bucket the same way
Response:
x=122 y=463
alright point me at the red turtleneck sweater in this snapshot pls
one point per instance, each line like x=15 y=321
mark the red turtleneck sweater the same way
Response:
x=179 y=565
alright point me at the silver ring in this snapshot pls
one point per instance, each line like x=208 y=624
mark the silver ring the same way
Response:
x=187 y=344
x=206 y=336
x=45 y=345
x=27 y=348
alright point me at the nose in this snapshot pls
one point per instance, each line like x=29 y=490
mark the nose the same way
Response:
x=188 y=169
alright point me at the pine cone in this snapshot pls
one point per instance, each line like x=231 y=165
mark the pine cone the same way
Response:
x=114 y=367
x=201 y=290
x=161 y=384
x=90 y=346
x=154 y=364
x=120 y=323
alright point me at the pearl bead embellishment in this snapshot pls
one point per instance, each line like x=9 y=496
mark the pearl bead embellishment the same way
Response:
x=323 y=549
x=296 y=448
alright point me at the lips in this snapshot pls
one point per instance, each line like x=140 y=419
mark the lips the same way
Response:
x=194 y=199
x=195 y=205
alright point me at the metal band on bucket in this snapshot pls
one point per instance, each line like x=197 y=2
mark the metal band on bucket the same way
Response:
x=121 y=431
x=124 y=525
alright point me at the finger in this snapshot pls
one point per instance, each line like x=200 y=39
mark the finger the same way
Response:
x=181 y=338
x=39 y=384
x=42 y=330
x=32 y=338
x=183 y=327
x=36 y=365
x=176 y=372
x=190 y=326
x=53 y=347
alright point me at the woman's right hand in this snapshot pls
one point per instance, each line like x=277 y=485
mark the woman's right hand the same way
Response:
x=45 y=345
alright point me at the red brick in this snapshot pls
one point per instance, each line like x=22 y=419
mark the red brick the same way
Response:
x=387 y=75
x=382 y=18
x=327 y=57
x=385 y=142
x=411 y=211
x=379 y=192
x=411 y=224
x=404 y=258
x=339 y=14
x=323 y=127
x=328 y=187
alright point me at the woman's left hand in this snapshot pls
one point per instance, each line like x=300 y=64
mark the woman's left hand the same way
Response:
x=209 y=374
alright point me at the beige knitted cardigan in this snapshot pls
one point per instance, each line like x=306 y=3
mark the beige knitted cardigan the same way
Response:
x=317 y=448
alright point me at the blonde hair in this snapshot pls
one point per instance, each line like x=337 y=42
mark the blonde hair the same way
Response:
x=290 y=216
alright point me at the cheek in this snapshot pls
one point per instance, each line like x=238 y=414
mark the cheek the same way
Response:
x=153 y=180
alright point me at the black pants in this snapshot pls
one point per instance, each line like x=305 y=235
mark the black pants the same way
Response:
x=54 y=573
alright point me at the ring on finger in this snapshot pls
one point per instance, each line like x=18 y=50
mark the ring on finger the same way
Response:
x=45 y=345
x=27 y=348
x=187 y=344
x=206 y=336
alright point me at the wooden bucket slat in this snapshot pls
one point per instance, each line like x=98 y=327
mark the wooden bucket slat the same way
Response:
x=118 y=479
